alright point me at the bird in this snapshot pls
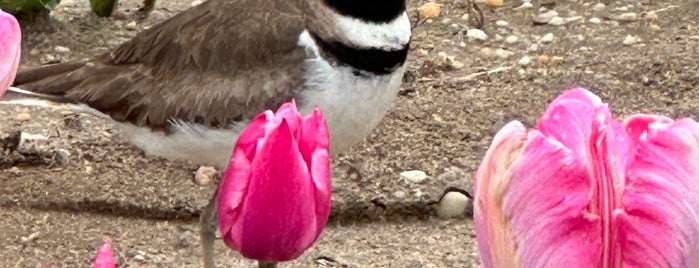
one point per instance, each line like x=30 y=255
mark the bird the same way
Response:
x=184 y=88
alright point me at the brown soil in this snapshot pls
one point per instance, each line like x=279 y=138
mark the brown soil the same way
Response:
x=85 y=181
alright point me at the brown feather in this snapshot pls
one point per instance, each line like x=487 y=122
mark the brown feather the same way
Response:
x=219 y=62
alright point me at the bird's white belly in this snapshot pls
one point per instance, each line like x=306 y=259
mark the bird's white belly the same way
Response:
x=353 y=106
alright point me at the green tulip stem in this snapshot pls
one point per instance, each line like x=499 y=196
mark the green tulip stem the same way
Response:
x=266 y=265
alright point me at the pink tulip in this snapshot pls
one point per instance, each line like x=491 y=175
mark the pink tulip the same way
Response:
x=583 y=190
x=274 y=199
x=105 y=258
x=11 y=38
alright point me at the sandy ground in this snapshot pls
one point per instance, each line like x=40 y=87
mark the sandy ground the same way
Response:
x=59 y=198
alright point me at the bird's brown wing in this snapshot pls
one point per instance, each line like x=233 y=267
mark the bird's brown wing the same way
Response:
x=213 y=64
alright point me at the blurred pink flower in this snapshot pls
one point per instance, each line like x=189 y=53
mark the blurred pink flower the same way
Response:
x=105 y=258
x=274 y=199
x=10 y=46
x=583 y=190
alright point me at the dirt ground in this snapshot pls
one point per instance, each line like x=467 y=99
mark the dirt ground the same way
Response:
x=85 y=181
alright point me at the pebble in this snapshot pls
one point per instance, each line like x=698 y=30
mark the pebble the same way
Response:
x=557 y=21
x=23 y=117
x=421 y=52
x=465 y=17
x=631 y=40
x=502 y=23
x=495 y=3
x=598 y=6
x=413 y=176
x=525 y=61
x=486 y=53
x=651 y=15
x=543 y=59
x=595 y=20
x=525 y=5
x=627 y=16
x=545 y=17
x=533 y=48
x=429 y=10
x=503 y=54
x=399 y=195
x=131 y=26
x=61 y=49
x=204 y=175
x=511 y=39
x=476 y=34
x=453 y=204
x=548 y=38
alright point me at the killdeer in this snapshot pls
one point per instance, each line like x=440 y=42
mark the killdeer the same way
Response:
x=185 y=87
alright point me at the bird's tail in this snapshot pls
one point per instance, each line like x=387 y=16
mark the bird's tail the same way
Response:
x=48 y=86
x=52 y=82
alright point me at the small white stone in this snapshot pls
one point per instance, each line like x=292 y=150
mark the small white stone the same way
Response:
x=502 y=23
x=631 y=40
x=131 y=26
x=548 y=38
x=533 y=48
x=503 y=54
x=462 y=44
x=525 y=5
x=413 y=176
x=557 y=21
x=511 y=39
x=525 y=61
x=486 y=53
x=627 y=16
x=465 y=17
x=476 y=34
x=399 y=195
x=595 y=20
x=61 y=49
x=453 y=205
x=204 y=175
x=598 y=6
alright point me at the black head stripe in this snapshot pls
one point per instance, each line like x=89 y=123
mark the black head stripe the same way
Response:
x=373 y=60
x=377 y=11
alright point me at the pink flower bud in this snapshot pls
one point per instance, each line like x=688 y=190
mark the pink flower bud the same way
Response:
x=10 y=45
x=583 y=190
x=274 y=198
x=105 y=258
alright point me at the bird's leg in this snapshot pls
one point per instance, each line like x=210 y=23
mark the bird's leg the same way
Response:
x=266 y=264
x=480 y=19
x=208 y=222
x=147 y=6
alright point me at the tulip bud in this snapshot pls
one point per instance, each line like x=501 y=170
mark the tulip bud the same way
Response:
x=583 y=190
x=105 y=258
x=274 y=198
x=10 y=46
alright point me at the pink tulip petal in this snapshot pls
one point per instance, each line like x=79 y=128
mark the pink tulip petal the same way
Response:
x=315 y=142
x=659 y=225
x=10 y=46
x=105 y=258
x=284 y=198
x=585 y=192
x=491 y=184
x=231 y=192
x=249 y=137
